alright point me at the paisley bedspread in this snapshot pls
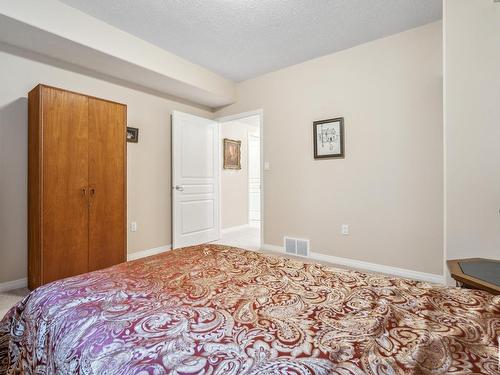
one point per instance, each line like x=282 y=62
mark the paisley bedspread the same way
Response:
x=213 y=309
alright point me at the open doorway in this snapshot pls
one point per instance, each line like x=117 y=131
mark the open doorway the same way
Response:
x=241 y=182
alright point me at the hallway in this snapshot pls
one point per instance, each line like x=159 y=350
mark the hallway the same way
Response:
x=247 y=237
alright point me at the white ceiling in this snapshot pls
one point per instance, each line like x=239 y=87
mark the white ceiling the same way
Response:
x=241 y=39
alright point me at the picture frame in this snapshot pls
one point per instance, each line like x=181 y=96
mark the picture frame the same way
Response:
x=132 y=135
x=232 y=154
x=328 y=138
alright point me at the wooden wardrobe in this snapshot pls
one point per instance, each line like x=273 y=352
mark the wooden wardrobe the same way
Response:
x=76 y=184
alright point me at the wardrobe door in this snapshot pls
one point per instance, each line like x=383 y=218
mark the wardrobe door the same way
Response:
x=64 y=187
x=107 y=166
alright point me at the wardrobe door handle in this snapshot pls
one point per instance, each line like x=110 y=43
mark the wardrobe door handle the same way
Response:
x=84 y=191
x=91 y=195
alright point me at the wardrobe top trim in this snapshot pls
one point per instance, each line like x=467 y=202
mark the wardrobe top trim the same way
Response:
x=41 y=85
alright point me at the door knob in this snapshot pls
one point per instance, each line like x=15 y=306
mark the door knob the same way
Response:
x=178 y=188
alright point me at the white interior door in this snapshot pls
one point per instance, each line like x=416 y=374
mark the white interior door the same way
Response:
x=195 y=180
x=254 y=179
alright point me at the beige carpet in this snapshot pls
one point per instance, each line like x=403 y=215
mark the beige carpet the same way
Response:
x=10 y=298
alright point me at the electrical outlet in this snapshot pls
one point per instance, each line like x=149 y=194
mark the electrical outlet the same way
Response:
x=345 y=229
x=133 y=226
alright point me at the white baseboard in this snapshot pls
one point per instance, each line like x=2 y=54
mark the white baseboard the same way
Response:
x=234 y=229
x=14 y=284
x=148 y=252
x=374 y=267
x=275 y=248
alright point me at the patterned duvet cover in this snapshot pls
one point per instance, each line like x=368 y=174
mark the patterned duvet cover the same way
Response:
x=214 y=309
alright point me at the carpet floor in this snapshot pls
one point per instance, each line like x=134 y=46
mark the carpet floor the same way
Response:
x=10 y=298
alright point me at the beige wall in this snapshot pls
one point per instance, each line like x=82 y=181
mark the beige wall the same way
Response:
x=472 y=128
x=234 y=183
x=389 y=188
x=148 y=161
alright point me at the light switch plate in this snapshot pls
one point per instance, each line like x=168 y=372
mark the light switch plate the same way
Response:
x=133 y=226
x=267 y=166
x=345 y=229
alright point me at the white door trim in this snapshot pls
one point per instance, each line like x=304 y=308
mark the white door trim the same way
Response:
x=249 y=136
x=260 y=113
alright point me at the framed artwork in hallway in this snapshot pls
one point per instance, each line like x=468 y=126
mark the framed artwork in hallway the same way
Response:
x=232 y=154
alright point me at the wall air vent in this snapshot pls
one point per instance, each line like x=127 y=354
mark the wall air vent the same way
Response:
x=296 y=246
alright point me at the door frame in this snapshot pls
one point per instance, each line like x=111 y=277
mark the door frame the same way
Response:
x=248 y=176
x=260 y=113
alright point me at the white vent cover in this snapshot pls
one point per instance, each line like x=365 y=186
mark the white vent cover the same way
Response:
x=296 y=246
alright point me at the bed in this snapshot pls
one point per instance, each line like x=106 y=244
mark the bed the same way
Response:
x=214 y=309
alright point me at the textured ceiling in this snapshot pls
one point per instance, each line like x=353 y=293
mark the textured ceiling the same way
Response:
x=241 y=39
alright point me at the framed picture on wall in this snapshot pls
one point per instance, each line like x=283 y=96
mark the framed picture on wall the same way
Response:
x=329 y=138
x=232 y=154
x=132 y=135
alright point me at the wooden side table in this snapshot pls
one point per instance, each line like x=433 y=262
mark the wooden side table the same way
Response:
x=476 y=273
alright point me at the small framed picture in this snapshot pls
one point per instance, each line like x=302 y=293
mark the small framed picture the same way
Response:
x=232 y=154
x=132 y=135
x=329 y=138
